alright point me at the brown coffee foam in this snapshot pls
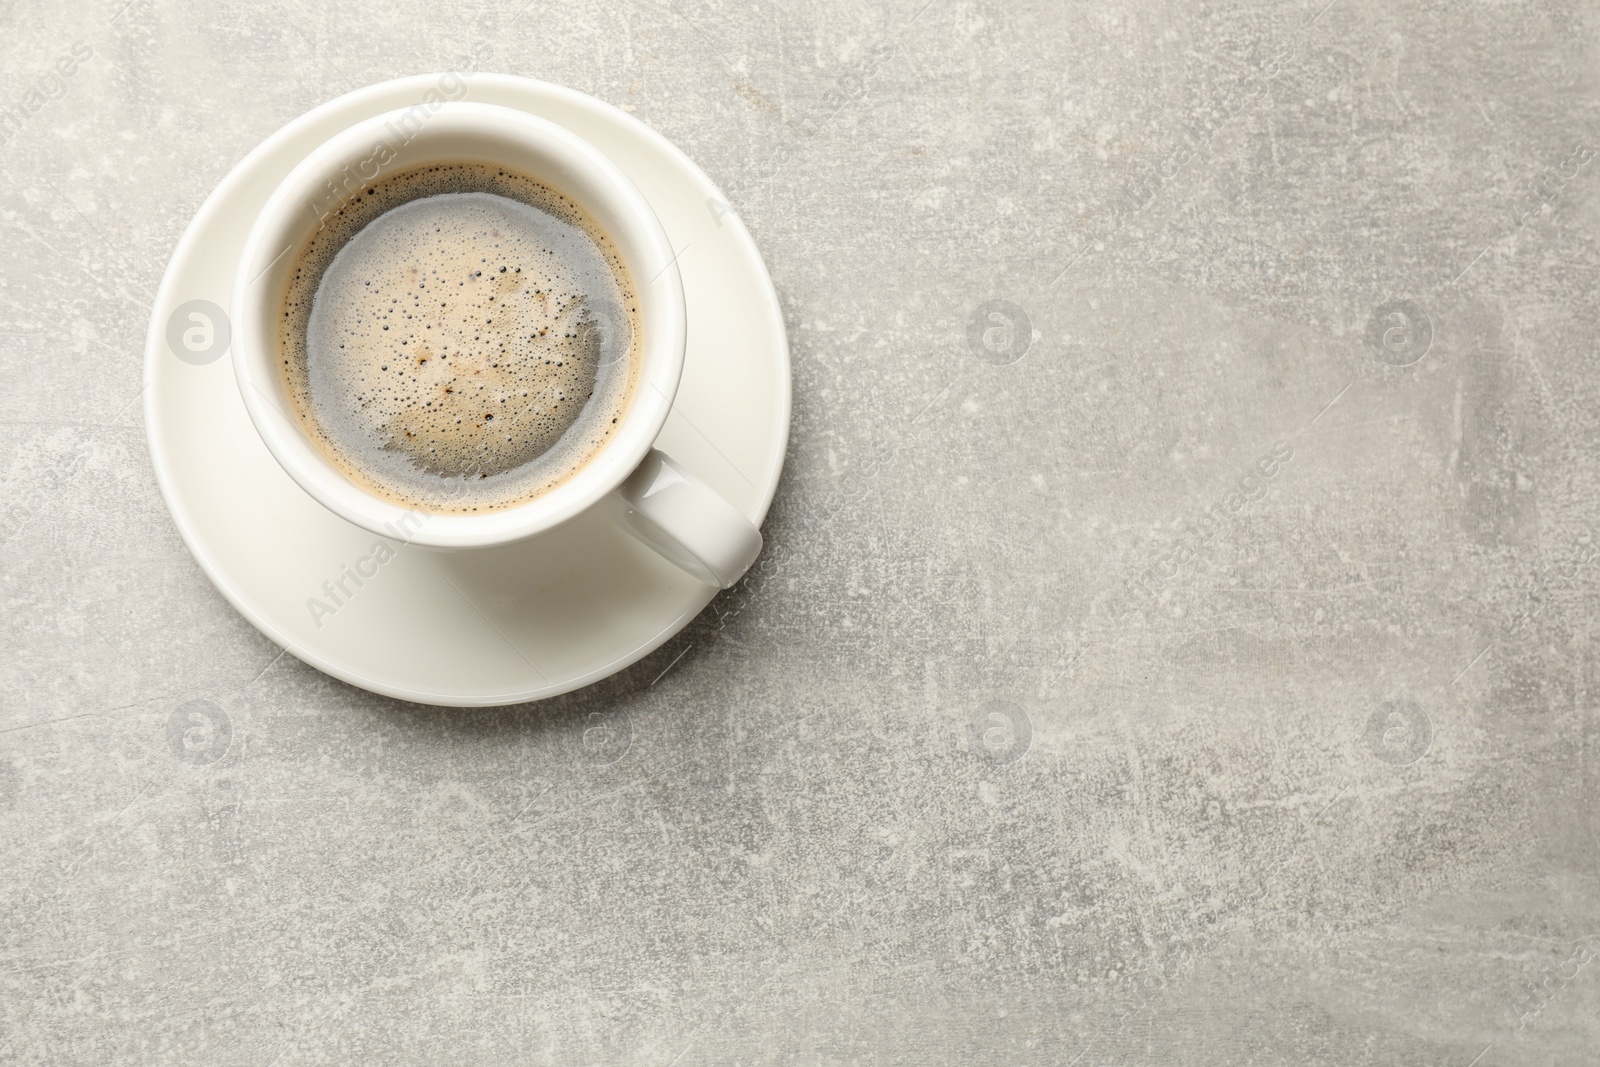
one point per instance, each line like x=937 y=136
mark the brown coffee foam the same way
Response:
x=459 y=338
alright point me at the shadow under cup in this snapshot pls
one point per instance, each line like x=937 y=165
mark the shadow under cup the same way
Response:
x=456 y=132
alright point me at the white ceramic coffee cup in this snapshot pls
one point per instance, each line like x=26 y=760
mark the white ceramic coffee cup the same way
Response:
x=668 y=508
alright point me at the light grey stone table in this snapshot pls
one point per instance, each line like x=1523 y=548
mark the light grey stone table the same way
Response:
x=1176 y=643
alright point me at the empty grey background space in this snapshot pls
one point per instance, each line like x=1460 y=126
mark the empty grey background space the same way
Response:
x=1065 y=721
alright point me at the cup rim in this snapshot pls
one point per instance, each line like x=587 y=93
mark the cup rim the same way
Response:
x=590 y=178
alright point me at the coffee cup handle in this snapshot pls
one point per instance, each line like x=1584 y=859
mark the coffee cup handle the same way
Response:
x=688 y=522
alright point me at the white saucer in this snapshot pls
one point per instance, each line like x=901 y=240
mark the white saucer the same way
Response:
x=495 y=626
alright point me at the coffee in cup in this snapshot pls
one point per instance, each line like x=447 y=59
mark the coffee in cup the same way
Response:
x=459 y=338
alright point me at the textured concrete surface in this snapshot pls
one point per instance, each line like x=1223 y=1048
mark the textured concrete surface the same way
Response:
x=1176 y=639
